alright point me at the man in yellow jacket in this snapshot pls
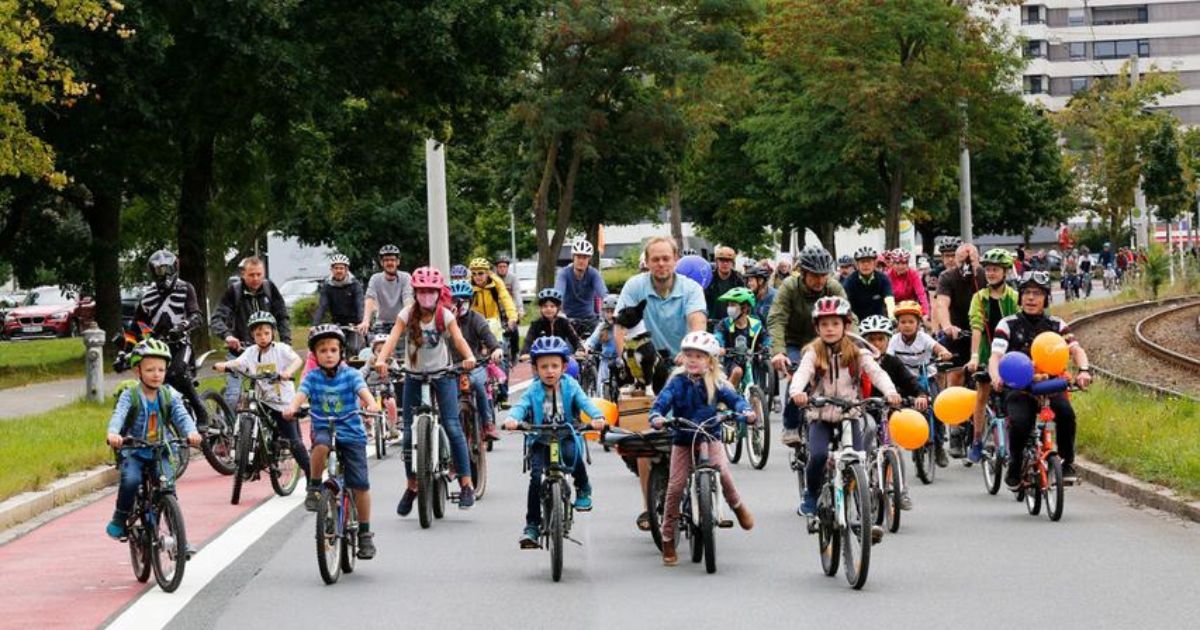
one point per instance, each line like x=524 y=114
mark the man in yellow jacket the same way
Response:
x=493 y=301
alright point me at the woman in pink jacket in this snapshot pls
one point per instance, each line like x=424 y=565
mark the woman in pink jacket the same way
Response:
x=906 y=281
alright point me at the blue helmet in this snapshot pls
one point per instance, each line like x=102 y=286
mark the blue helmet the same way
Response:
x=461 y=289
x=459 y=271
x=550 y=346
x=550 y=294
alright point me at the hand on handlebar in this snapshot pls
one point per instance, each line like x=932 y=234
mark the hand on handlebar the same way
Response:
x=468 y=363
x=800 y=399
x=1084 y=379
x=657 y=422
x=510 y=425
x=893 y=399
x=233 y=343
x=780 y=362
x=497 y=356
x=114 y=440
x=193 y=439
x=921 y=403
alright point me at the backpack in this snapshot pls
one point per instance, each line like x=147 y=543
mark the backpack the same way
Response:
x=135 y=403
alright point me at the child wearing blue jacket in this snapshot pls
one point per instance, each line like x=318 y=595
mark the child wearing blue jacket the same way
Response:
x=553 y=393
x=603 y=340
x=693 y=393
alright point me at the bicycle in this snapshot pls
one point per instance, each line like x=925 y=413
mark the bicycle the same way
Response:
x=383 y=427
x=925 y=457
x=477 y=443
x=655 y=446
x=589 y=370
x=843 y=519
x=1041 y=475
x=700 y=514
x=885 y=472
x=431 y=449
x=995 y=438
x=260 y=449
x=154 y=528
x=756 y=437
x=557 y=509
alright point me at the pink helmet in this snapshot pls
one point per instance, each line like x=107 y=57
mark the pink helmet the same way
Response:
x=900 y=256
x=428 y=278
x=831 y=306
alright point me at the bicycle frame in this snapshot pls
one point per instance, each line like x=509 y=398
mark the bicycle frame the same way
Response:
x=884 y=445
x=838 y=461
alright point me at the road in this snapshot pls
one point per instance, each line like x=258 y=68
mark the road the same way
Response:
x=961 y=558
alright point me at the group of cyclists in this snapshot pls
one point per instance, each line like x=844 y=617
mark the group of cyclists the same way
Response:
x=864 y=324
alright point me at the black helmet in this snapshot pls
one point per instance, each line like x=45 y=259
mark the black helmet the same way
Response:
x=325 y=331
x=164 y=269
x=503 y=259
x=758 y=271
x=949 y=244
x=845 y=261
x=814 y=259
x=389 y=250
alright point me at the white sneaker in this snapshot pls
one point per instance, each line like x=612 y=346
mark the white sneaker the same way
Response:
x=791 y=437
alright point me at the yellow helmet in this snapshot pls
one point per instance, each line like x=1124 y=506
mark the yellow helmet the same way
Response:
x=480 y=264
x=908 y=307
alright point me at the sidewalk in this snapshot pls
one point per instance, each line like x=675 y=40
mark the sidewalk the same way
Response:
x=16 y=402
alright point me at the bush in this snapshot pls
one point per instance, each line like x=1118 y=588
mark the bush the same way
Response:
x=1157 y=269
x=616 y=277
x=302 y=312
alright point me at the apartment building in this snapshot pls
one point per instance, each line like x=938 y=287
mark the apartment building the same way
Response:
x=1072 y=43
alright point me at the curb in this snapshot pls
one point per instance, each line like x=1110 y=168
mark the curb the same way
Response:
x=1139 y=492
x=29 y=505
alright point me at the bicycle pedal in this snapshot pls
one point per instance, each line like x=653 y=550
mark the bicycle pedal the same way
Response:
x=725 y=523
x=813 y=525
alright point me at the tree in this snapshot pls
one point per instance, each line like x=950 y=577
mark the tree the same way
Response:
x=1162 y=176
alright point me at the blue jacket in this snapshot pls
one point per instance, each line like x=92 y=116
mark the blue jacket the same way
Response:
x=178 y=414
x=763 y=307
x=685 y=397
x=581 y=297
x=608 y=349
x=531 y=407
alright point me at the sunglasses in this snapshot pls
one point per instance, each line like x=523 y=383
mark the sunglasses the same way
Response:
x=725 y=260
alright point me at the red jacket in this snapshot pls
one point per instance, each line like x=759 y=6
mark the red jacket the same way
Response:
x=909 y=287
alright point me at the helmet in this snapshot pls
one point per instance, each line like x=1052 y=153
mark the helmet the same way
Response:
x=760 y=272
x=907 y=307
x=339 y=259
x=503 y=259
x=998 y=257
x=610 y=301
x=379 y=338
x=459 y=271
x=149 y=348
x=461 y=289
x=1084 y=250
x=845 y=261
x=480 y=264
x=549 y=346
x=739 y=295
x=164 y=268
x=949 y=244
x=866 y=251
x=325 y=331
x=814 y=259
x=1037 y=279
x=581 y=248
x=389 y=250
x=260 y=317
x=875 y=324
x=550 y=294
x=831 y=306
x=701 y=340
x=427 y=278
x=900 y=256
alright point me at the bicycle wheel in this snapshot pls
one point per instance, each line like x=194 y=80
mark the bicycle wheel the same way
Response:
x=328 y=540
x=656 y=500
x=244 y=447
x=893 y=488
x=829 y=542
x=139 y=551
x=425 y=487
x=856 y=536
x=693 y=528
x=923 y=458
x=705 y=494
x=799 y=460
x=219 y=447
x=993 y=463
x=168 y=544
x=441 y=479
x=380 y=437
x=1054 y=488
x=733 y=449
x=1033 y=492
x=348 y=543
x=476 y=448
x=758 y=435
x=555 y=529
x=178 y=454
x=285 y=470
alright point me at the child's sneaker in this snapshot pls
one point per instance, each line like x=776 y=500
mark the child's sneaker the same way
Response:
x=975 y=455
x=404 y=508
x=583 y=502
x=790 y=437
x=466 y=498
x=366 y=545
x=529 y=539
x=808 y=508
x=116 y=530
x=312 y=497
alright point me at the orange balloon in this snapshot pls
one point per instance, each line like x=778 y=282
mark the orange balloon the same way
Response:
x=1050 y=353
x=608 y=408
x=954 y=405
x=909 y=429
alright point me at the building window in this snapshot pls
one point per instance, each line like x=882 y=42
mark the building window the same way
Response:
x=1078 y=84
x=1075 y=17
x=1032 y=15
x=1077 y=50
x=1143 y=15
x=1035 y=48
x=1107 y=16
x=1121 y=49
x=1033 y=84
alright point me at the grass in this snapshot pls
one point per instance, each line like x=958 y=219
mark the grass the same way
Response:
x=41 y=448
x=1151 y=439
x=1130 y=293
x=40 y=360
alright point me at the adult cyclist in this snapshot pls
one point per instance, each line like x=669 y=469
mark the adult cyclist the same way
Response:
x=341 y=296
x=582 y=289
x=868 y=291
x=493 y=302
x=504 y=270
x=388 y=292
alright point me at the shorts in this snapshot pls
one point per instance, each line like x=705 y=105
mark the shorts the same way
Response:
x=353 y=458
x=960 y=348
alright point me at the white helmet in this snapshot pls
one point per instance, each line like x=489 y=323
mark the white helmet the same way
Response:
x=339 y=259
x=875 y=324
x=581 y=247
x=703 y=341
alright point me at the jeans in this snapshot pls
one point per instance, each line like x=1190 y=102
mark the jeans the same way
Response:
x=791 y=413
x=446 y=391
x=539 y=461
x=483 y=406
x=233 y=384
x=134 y=463
x=820 y=434
x=1022 y=409
x=681 y=467
x=290 y=431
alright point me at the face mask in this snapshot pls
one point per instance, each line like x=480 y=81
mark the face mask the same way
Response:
x=427 y=300
x=463 y=308
x=734 y=312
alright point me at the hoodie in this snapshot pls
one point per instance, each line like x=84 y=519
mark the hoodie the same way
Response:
x=342 y=300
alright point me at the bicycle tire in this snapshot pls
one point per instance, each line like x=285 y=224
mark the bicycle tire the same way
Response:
x=555 y=530
x=139 y=552
x=380 y=438
x=829 y=540
x=328 y=541
x=425 y=487
x=798 y=461
x=758 y=435
x=1033 y=493
x=693 y=529
x=244 y=448
x=656 y=500
x=993 y=463
x=283 y=461
x=175 y=548
x=476 y=447
x=855 y=490
x=893 y=488
x=733 y=450
x=347 y=543
x=220 y=449
x=925 y=465
x=1054 y=488
x=441 y=479
x=708 y=525
x=178 y=454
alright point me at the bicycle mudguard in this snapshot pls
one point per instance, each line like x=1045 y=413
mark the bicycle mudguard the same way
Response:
x=1049 y=387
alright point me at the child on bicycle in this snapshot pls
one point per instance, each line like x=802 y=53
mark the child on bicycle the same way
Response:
x=374 y=379
x=603 y=340
x=990 y=305
x=553 y=393
x=832 y=366
x=694 y=392
x=916 y=348
x=739 y=331
x=479 y=337
x=335 y=389
x=550 y=324
x=271 y=357
x=877 y=330
x=140 y=413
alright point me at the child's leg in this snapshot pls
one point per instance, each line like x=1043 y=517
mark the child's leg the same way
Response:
x=290 y=431
x=716 y=455
x=681 y=466
x=447 y=392
x=131 y=478
x=579 y=473
x=538 y=458
x=819 y=434
x=479 y=388
x=735 y=375
x=317 y=462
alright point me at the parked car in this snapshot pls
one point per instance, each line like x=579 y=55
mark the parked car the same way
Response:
x=297 y=289
x=46 y=312
x=526 y=271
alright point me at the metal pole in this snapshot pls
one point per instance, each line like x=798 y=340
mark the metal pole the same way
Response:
x=964 y=194
x=439 y=230
x=1141 y=230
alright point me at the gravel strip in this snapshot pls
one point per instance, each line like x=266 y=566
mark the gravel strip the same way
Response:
x=1110 y=344
x=1178 y=331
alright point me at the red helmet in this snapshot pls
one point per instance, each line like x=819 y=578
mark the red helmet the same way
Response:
x=831 y=306
x=428 y=278
x=900 y=256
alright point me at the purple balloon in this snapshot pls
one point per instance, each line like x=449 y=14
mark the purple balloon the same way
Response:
x=695 y=268
x=1017 y=370
x=573 y=368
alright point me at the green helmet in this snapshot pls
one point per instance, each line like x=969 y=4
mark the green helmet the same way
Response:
x=739 y=295
x=149 y=348
x=260 y=317
x=1001 y=257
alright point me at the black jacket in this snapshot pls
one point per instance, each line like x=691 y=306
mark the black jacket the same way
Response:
x=343 y=302
x=906 y=384
x=560 y=327
x=238 y=304
x=478 y=335
x=717 y=288
x=169 y=310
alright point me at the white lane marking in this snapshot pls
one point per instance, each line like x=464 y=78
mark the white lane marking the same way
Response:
x=155 y=609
